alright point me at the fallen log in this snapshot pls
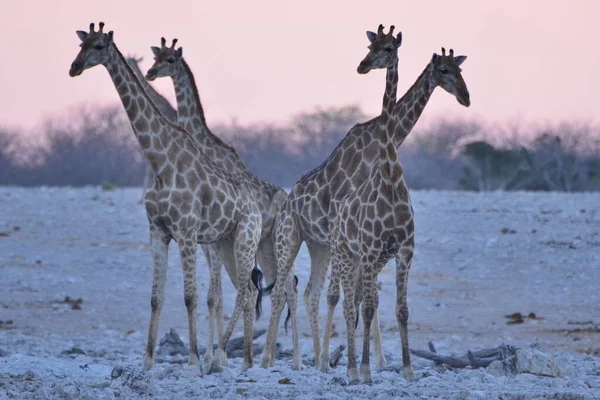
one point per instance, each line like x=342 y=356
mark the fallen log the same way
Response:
x=336 y=356
x=473 y=359
x=235 y=345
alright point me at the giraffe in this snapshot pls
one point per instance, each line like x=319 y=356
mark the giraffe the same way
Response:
x=215 y=291
x=161 y=102
x=372 y=224
x=169 y=62
x=383 y=53
x=191 y=201
x=308 y=211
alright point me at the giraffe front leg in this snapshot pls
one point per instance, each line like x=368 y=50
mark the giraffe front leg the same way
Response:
x=287 y=245
x=212 y=301
x=319 y=263
x=348 y=277
x=403 y=262
x=369 y=307
x=292 y=301
x=380 y=360
x=245 y=248
x=333 y=298
x=249 y=316
x=187 y=251
x=159 y=244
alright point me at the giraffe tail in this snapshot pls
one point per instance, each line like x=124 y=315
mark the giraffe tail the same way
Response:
x=267 y=291
x=257 y=277
x=289 y=314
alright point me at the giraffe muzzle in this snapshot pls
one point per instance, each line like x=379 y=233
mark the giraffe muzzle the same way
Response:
x=76 y=69
x=363 y=67
x=151 y=74
x=464 y=99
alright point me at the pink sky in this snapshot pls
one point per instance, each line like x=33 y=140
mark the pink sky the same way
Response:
x=265 y=60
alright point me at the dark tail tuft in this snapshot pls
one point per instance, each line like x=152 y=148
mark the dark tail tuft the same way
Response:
x=257 y=277
x=289 y=314
x=267 y=291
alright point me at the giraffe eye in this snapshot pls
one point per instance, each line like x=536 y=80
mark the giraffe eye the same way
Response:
x=388 y=50
x=443 y=71
x=171 y=60
x=98 y=47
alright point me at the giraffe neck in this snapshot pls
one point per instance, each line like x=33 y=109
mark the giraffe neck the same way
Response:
x=149 y=125
x=391 y=90
x=161 y=102
x=410 y=106
x=190 y=116
x=387 y=153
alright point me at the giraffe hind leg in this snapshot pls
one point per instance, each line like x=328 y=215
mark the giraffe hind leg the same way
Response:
x=187 y=251
x=320 y=256
x=214 y=297
x=403 y=262
x=287 y=240
x=159 y=244
x=333 y=298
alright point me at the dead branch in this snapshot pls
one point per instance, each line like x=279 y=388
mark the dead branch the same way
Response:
x=336 y=355
x=473 y=359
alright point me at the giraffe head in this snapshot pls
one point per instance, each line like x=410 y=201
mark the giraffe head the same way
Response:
x=166 y=60
x=383 y=50
x=94 y=49
x=446 y=72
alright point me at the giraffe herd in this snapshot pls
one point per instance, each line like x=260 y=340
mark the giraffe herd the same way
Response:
x=353 y=211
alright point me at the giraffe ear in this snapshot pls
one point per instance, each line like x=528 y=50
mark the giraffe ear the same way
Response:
x=179 y=52
x=371 y=36
x=460 y=59
x=398 y=40
x=434 y=58
x=155 y=50
x=82 y=35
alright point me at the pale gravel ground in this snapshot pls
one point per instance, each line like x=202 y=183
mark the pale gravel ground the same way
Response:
x=465 y=277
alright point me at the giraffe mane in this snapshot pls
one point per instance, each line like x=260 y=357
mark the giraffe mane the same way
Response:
x=150 y=102
x=188 y=71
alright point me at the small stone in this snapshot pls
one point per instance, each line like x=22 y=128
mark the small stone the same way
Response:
x=116 y=372
x=532 y=361
x=171 y=345
x=502 y=367
x=3 y=353
x=338 y=381
x=72 y=351
x=29 y=374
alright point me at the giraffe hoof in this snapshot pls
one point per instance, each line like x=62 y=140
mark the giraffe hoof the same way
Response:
x=148 y=363
x=208 y=359
x=215 y=369
x=297 y=365
x=353 y=378
x=246 y=366
x=381 y=363
x=367 y=380
x=265 y=363
x=409 y=375
x=324 y=362
x=193 y=360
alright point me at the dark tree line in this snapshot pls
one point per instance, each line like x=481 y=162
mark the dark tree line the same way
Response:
x=96 y=145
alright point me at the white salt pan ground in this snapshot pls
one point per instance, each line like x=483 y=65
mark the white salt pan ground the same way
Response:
x=466 y=276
